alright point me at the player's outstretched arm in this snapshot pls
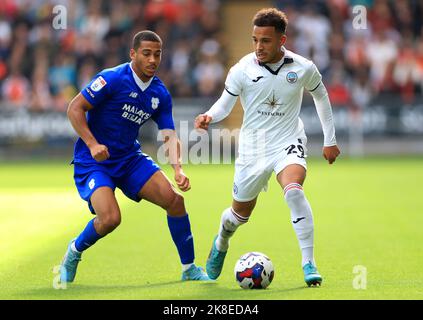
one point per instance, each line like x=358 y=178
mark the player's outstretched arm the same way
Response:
x=219 y=111
x=173 y=147
x=76 y=114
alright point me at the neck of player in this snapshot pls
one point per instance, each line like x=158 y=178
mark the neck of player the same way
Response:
x=278 y=57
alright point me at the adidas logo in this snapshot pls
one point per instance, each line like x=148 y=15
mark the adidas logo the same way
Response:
x=133 y=94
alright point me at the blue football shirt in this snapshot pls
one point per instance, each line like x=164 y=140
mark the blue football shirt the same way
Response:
x=121 y=107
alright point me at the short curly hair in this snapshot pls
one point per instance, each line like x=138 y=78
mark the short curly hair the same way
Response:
x=271 y=17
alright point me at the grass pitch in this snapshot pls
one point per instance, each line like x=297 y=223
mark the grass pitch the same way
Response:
x=368 y=213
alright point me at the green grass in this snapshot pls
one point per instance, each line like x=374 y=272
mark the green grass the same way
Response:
x=367 y=212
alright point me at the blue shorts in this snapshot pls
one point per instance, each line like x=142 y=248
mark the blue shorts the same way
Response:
x=128 y=175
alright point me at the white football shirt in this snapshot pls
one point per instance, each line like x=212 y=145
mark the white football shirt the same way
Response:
x=271 y=96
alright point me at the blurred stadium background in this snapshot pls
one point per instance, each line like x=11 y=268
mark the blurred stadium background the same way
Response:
x=374 y=75
x=369 y=209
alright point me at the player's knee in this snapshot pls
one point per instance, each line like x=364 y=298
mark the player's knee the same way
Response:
x=176 y=205
x=111 y=222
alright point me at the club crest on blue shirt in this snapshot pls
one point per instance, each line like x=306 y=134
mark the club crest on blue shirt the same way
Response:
x=155 y=103
x=292 y=77
x=98 y=84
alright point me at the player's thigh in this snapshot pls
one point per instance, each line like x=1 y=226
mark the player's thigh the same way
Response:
x=139 y=171
x=291 y=165
x=250 y=179
x=293 y=173
x=160 y=191
x=105 y=205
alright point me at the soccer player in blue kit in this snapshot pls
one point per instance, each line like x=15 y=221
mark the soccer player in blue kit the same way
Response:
x=118 y=101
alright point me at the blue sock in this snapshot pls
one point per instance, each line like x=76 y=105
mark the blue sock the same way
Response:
x=180 y=229
x=87 y=238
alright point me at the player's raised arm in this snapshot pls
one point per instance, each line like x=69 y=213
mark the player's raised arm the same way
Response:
x=76 y=114
x=174 y=153
x=324 y=110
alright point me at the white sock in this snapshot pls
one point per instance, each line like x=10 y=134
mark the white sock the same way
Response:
x=185 y=267
x=308 y=256
x=302 y=220
x=229 y=222
x=73 y=248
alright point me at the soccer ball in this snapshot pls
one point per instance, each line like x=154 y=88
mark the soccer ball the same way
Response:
x=254 y=270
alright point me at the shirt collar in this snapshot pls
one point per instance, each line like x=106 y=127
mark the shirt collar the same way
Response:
x=141 y=84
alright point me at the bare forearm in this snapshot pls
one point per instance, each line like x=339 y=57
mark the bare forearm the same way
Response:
x=173 y=147
x=175 y=155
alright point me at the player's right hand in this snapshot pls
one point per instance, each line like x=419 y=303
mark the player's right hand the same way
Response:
x=99 y=152
x=182 y=180
x=331 y=153
x=202 y=121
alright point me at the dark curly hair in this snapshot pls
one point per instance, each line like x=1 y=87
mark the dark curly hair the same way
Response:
x=271 y=17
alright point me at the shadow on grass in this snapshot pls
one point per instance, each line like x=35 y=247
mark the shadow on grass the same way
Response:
x=74 y=291
x=268 y=290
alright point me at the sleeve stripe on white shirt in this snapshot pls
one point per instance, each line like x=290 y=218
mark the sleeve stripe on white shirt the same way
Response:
x=232 y=94
x=315 y=88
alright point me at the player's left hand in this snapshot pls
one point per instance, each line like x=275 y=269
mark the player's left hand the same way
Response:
x=331 y=153
x=182 y=181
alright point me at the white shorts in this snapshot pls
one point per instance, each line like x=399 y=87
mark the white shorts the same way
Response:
x=252 y=176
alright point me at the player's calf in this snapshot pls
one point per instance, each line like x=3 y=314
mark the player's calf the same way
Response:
x=302 y=219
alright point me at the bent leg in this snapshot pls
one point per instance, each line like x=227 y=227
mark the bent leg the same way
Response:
x=160 y=191
x=107 y=218
x=231 y=219
x=107 y=210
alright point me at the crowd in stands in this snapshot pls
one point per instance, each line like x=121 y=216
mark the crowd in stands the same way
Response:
x=362 y=54
x=42 y=67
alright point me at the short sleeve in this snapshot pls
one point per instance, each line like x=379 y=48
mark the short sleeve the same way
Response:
x=99 y=88
x=233 y=83
x=163 y=116
x=313 y=78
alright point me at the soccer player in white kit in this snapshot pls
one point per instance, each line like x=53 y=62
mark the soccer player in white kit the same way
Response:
x=270 y=83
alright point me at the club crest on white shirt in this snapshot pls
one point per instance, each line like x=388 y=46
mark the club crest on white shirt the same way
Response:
x=292 y=77
x=155 y=103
